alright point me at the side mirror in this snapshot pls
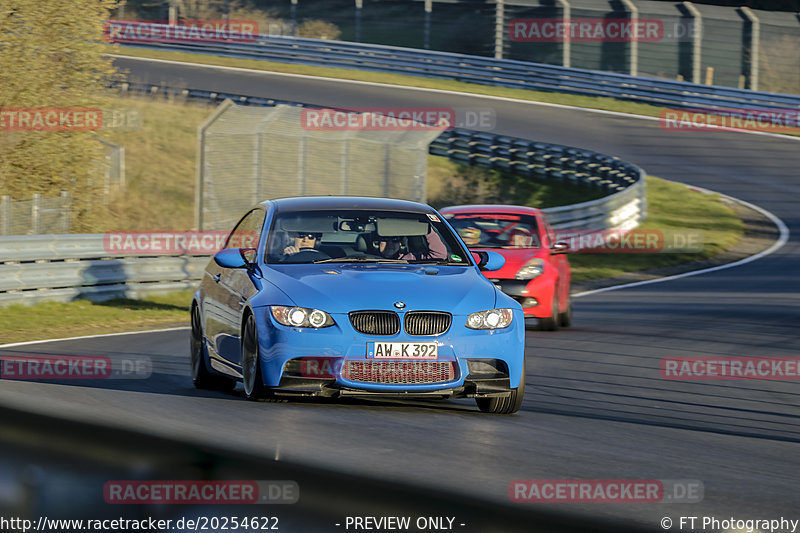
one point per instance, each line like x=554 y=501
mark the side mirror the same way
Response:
x=488 y=260
x=231 y=258
x=559 y=248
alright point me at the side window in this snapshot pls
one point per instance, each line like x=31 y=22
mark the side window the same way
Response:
x=247 y=231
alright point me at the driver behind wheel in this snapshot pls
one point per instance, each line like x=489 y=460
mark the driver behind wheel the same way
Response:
x=302 y=240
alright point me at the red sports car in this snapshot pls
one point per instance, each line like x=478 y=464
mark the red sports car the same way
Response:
x=536 y=272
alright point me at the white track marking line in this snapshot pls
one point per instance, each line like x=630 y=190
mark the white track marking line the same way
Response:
x=431 y=90
x=783 y=238
x=28 y=343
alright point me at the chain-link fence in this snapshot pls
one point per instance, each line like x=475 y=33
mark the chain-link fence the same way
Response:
x=250 y=154
x=36 y=216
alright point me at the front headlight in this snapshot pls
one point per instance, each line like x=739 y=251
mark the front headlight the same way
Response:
x=300 y=317
x=531 y=270
x=491 y=319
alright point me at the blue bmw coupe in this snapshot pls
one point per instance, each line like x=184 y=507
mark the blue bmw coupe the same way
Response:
x=344 y=296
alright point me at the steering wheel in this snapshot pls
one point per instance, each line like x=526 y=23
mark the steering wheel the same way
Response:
x=306 y=255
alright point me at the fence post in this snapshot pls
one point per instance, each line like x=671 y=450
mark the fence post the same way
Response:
x=36 y=209
x=302 y=160
x=633 y=44
x=258 y=164
x=691 y=46
x=293 y=16
x=121 y=166
x=387 y=166
x=5 y=214
x=566 y=44
x=751 y=38
x=345 y=167
x=359 y=7
x=66 y=211
x=428 y=9
x=499 y=29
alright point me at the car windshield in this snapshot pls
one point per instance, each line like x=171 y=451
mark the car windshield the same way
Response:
x=354 y=236
x=496 y=230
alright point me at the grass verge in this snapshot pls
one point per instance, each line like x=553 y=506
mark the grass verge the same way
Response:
x=52 y=320
x=670 y=206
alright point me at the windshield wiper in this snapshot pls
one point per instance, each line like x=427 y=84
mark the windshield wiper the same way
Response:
x=360 y=260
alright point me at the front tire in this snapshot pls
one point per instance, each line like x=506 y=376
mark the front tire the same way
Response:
x=202 y=378
x=551 y=322
x=565 y=318
x=251 y=365
x=504 y=405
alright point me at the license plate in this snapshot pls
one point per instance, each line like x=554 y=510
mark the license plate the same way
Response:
x=402 y=350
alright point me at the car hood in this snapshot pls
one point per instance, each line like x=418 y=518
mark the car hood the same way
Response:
x=515 y=259
x=350 y=287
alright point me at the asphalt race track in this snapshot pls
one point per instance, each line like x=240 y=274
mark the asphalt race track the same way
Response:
x=596 y=406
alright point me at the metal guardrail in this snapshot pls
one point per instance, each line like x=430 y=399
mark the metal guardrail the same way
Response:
x=624 y=208
x=65 y=267
x=487 y=71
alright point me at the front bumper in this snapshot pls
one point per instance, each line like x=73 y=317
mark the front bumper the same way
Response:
x=327 y=352
x=535 y=296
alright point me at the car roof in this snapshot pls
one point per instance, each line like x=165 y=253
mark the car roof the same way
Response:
x=320 y=203
x=492 y=208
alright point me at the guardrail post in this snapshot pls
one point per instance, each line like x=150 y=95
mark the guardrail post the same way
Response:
x=566 y=44
x=428 y=9
x=689 y=46
x=750 y=52
x=499 y=28
x=359 y=7
x=633 y=45
x=36 y=211
x=5 y=214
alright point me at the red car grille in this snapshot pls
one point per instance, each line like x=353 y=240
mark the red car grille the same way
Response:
x=399 y=372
